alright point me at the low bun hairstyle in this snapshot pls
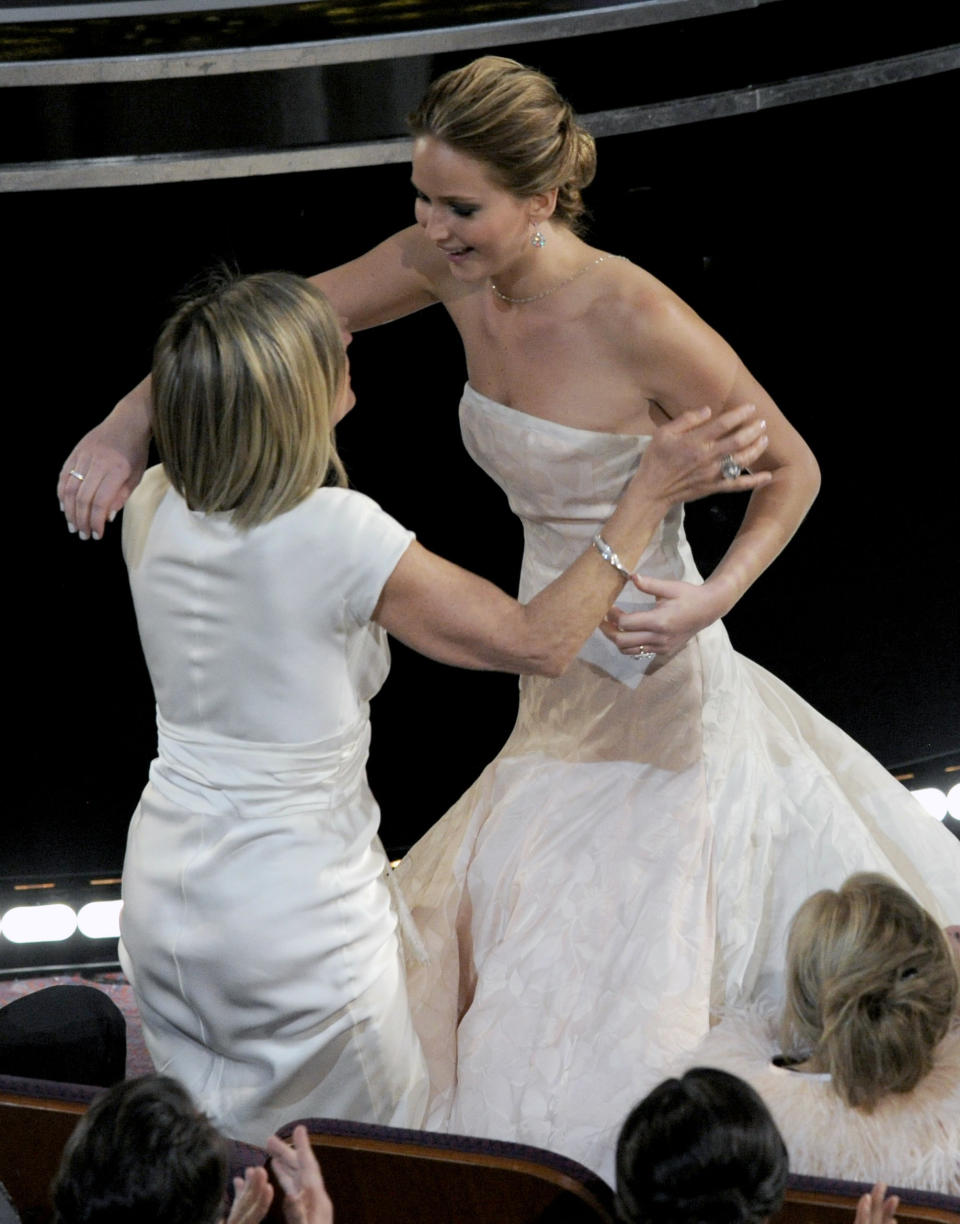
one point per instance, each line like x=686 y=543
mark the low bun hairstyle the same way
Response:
x=872 y=987
x=513 y=120
x=700 y=1150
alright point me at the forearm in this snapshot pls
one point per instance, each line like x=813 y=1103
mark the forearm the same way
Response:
x=562 y=616
x=458 y=618
x=774 y=513
x=133 y=415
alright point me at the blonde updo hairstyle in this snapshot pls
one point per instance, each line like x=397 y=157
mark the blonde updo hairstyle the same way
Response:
x=872 y=987
x=513 y=120
x=246 y=379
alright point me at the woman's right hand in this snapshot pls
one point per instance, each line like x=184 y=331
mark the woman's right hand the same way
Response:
x=876 y=1208
x=106 y=465
x=684 y=459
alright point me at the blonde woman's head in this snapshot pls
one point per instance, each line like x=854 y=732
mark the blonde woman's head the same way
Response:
x=872 y=987
x=249 y=379
x=513 y=120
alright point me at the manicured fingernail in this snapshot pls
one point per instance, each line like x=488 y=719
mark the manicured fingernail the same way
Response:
x=113 y=515
x=60 y=504
x=84 y=536
x=71 y=528
x=96 y=535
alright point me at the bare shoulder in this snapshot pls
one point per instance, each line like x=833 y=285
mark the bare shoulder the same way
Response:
x=673 y=350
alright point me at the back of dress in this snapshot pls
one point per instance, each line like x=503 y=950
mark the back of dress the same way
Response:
x=257 y=926
x=265 y=634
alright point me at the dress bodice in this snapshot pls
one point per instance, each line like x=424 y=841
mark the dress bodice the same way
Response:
x=562 y=483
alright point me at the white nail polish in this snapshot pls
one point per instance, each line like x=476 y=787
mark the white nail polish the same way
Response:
x=96 y=535
x=71 y=528
x=84 y=536
x=113 y=515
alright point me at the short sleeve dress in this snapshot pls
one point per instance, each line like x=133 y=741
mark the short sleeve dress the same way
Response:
x=258 y=928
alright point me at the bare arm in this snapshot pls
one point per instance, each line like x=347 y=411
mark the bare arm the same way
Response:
x=396 y=278
x=689 y=363
x=456 y=617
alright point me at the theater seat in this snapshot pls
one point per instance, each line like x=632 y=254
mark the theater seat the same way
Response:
x=383 y=1174
x=824 y=1200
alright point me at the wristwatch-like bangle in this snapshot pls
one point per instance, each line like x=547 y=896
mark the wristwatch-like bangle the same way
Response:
x=611 y=558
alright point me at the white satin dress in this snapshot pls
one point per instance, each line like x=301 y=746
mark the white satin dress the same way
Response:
x=257 y=925
x=629 y=863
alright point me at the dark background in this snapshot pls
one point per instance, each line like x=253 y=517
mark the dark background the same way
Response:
x=820 y=239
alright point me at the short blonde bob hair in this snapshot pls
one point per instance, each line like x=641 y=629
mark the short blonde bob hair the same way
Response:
x=246 y=380
x=513 y=120
x=872 y=987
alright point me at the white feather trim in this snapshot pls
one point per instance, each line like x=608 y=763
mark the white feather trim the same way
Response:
x=910 y=1139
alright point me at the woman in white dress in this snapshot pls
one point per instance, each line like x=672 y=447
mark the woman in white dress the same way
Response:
x=863 y=1076
x=629 y=862
x=257 y=928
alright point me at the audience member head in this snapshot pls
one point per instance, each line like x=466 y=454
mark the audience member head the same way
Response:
x=700 y=1150
x=249 y=379
x=513 y=120
x=872 y=986
x=142 y=1154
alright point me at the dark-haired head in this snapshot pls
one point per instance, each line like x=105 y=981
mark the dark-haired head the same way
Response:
x=142 y=1154
x=700 y=1150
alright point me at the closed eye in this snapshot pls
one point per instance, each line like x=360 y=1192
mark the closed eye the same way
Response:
x=459 y=210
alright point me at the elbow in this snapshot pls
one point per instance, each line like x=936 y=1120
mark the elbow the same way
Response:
x=811 y=479
x=552 y=663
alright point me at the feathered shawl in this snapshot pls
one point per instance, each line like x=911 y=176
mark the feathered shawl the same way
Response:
x=910 y=1139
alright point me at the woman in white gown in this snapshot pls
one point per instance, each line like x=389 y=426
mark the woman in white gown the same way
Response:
x=257 y=928
x=628 y=863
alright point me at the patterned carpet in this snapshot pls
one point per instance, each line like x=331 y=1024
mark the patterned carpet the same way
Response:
x=113 y=984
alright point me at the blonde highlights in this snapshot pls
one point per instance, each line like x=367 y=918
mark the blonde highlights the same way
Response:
x=872 y=987
x=246 y=381
x=513 y=120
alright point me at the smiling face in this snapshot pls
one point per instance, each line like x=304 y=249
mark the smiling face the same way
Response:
x=481 y=228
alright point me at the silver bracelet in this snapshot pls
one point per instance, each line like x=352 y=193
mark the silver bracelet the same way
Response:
x=611 y=558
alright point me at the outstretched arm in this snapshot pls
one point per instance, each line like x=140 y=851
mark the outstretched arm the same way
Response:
x=105 y=466
x=686 y=362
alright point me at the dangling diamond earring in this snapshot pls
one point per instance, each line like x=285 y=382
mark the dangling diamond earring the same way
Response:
x=538 y=240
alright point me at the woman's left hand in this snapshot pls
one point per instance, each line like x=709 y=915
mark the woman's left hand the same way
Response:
x=252 y=1196
x=681 y=611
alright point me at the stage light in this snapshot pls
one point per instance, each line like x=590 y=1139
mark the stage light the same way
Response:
x=100 y=920
x=933 y=800
x=38 y=923
x=953 y=800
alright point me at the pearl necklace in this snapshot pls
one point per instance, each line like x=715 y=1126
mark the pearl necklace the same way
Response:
x=546 y=293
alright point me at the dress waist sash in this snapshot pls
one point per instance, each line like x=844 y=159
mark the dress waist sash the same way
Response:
x=199 y=769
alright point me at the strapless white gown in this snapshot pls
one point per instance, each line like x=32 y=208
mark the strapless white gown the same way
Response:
x=629 y=863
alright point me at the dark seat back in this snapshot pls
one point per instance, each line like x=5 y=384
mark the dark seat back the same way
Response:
x=380 y=1174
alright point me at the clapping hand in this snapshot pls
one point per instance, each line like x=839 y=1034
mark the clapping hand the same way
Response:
x=875 y=1208
x=295 y=1168
x=252 y=1196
